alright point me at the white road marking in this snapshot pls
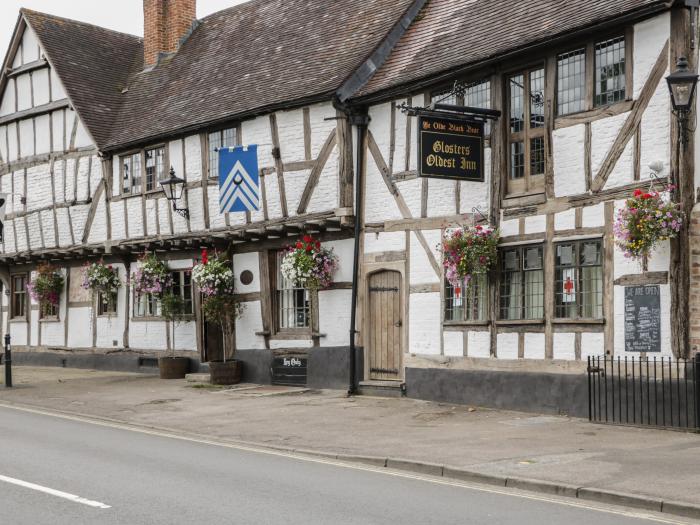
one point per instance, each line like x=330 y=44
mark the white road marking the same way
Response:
x=54 y=492
x=655 y=517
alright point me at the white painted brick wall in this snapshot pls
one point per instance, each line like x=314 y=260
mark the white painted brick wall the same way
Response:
x=564 y=346
x=151 y=220
x=193 y=158
x=344 y=251
x=38 y=186
x=411 y=193
x=117 y=218
x=507 y=346
x=568 y=150
x=441 y=197
x=534 y=346
x=290 y=125
x=47 y=225
x=565 y=220
x=421 y=271
x=246 y=326
x=64 y=234
x=79 y=327
x=247 y=261
x=185 y=336
x=479 y=344
x=511 y=227
x=477 y=194
x=326 y=195
x=453 y=343
x=535 y=224
x=382 y=242
x=424 y=326
x=79 y=216
x=649 y=39
x=334 y=316
x=592 y=344
x=593 y=216
x=135 y=216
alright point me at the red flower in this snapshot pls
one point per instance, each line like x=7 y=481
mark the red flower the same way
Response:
x=646 y=196
x=318 y=245
x=637 y=192
x=205 y=256
x=307 y=238
x=479 y=227
x=308 y=247
x=299 y=245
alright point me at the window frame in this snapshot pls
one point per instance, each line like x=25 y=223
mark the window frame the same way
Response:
x=53 y=314
x=141 y=154
x=277 y=329
x=99 y=307
x=459 y=100
x=528 y=183
x=144 y=179
x=152 y=311
x=179 y=282
x=221 y=131
x=522 y=271
x=468 y=305
x=577 y=267
x=25 y=302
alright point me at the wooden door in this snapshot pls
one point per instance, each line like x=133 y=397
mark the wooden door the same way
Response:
x=385 y=325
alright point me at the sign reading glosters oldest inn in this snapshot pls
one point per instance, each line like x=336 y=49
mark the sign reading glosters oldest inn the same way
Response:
x=450 y=148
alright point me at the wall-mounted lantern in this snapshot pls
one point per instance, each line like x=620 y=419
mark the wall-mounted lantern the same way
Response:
x=682 y=84
x=173 y=188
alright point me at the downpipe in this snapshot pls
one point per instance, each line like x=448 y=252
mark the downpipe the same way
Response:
x=360 y=121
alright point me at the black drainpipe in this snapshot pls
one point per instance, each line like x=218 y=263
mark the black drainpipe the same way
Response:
x=361 y=121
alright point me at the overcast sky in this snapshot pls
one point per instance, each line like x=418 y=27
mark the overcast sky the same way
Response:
x=121 y=15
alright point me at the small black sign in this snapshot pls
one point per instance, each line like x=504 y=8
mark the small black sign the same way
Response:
x=289 y=370
x=450 y=148
x=642 y=319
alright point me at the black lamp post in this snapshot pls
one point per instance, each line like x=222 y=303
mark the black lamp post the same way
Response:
x=682 y=84
x=173 y=188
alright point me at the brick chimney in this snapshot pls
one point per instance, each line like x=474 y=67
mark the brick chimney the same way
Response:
x=165 y=23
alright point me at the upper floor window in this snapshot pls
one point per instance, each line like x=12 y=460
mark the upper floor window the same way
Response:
x=526 y=131
x=522 y=283
x=579 y=280
x=466 y=302
x=571 y=82
x=610 y=71
x=476 y=95
x=155 y=168
x=131 y=174
x=292 y=302
x=18 y=305
x=220 y=139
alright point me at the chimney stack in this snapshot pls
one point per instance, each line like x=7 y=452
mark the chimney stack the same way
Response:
x=165 y=23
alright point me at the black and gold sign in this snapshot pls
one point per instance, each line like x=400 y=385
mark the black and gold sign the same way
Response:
x=450 y=148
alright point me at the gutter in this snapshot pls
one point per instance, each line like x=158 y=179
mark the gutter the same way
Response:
x=491 y=62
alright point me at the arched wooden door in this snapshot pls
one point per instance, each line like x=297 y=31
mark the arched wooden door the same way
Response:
x=385 y=325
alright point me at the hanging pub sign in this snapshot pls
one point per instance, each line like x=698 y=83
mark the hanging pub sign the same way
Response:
x=450 y=148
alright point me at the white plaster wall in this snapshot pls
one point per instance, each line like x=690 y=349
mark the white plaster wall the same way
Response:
x=564 y=346
x=534 y=346
x=424 y=326
x=24 y=91
x=30 y=46
x=568 y=155
x=507 y=346
x=280 y=344
x=3 y=144
x=26 y=138
x=58 y=92
x=185 y=337
x=320 y=128
x=326 y=195
x=649 y=39
x=593 y=216
x=290 y=125
x=592 y=344
x=40 y=84
x=18 y=333
x=42 y=129
x=344 y=250
x=453 y=343
x=510 y=227
x=110 y=329
x=603 y=133
x=79 y=327
x=147 y=335
x=334 y=316
x=535 y=224
x=193 y=158
x=479 y=344
x=7 y=101
x=411 y=192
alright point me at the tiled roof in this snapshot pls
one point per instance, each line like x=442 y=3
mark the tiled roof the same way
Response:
x=449 y=34
x=257 y=55
x=93 y=63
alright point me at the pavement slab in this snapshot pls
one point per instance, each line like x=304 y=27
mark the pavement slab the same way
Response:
x=559 y=453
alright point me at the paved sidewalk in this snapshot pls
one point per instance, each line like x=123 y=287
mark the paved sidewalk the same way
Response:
x=570 y=452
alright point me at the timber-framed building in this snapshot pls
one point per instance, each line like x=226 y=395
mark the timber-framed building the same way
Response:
x=91 y=120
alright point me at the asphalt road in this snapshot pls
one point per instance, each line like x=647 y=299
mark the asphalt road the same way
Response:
x=59 y=471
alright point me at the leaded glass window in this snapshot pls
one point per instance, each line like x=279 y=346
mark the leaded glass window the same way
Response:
x=522 y=283
x=579 y=280
x=466 y=302
x=571 y=82
x=610 y=71
x=224 y=138
x=293 y=302
x=155 y=167
x=131 y=174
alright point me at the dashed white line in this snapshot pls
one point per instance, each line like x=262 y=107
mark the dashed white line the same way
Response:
x=54 y=492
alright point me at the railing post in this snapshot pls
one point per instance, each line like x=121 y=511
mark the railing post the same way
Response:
x=8 y=362
x=696 y=390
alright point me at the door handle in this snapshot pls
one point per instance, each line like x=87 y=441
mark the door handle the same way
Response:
x=398 y=323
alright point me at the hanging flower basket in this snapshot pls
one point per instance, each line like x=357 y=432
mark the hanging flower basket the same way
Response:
x=468 y=251
x=308 y=264
x=151 y=276
x=646 y=219
x=46 y=286
x=99 y=277
x=215 y=280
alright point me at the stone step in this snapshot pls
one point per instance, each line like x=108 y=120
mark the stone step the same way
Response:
x=197 y=378
x=381 y=388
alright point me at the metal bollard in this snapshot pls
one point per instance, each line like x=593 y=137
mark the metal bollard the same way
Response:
x=8 y=362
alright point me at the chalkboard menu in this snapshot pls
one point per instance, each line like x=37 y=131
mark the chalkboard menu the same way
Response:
x=642 y=319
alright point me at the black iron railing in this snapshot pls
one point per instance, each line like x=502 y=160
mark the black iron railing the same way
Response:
x=650 y=391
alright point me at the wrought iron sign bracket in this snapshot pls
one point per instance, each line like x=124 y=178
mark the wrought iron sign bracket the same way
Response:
x=450 y=110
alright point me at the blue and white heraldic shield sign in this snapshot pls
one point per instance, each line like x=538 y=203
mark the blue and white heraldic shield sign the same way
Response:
x=239 y=180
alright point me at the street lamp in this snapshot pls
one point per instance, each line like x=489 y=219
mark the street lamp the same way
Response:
x=682 y=84
x=173 y=188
